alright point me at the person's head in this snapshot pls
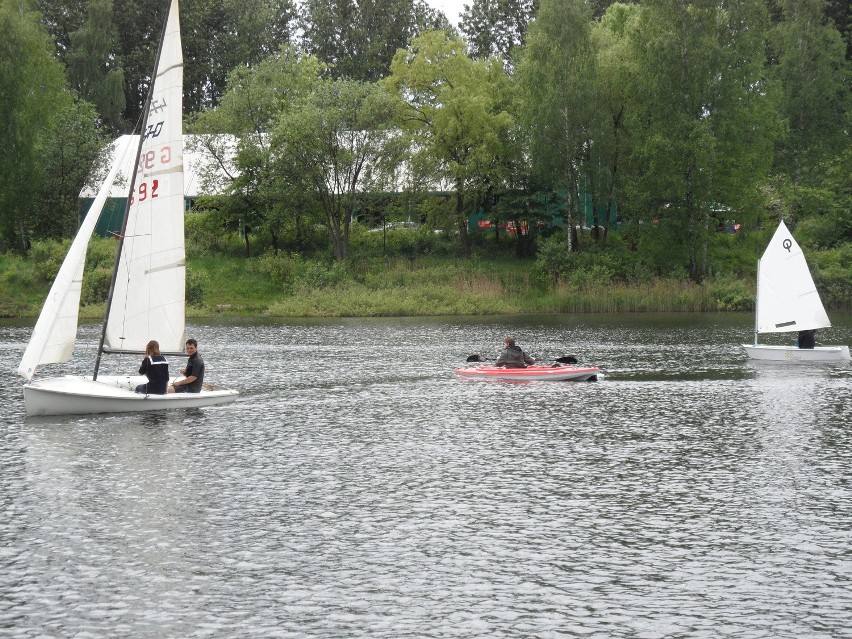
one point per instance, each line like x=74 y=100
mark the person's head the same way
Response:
x=191 y=346
x=153 y=348
x=509 y=342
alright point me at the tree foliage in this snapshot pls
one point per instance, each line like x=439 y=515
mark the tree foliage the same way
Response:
x=555 y=79
x=33 y=93
x=333 y=146
x=256 y=99
x=357 y=40
x=93 y=68
x=808 y=60
x=680 y=115
x=456 y=112
x=703 y=116
x=497 y=27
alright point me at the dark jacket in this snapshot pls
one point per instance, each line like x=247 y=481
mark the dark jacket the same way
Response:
x=194 y=366
x=514 y=357
x=156 y=369
x=807 y=339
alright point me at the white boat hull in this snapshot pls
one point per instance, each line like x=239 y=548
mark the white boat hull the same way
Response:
x=72 y=395
x=792 y=354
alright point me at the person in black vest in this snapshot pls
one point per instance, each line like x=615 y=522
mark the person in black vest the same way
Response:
x=512 y=355
x=156 y=369
x=193 y=373
x=807 y=339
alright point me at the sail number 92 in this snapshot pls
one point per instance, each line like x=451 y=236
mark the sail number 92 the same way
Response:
x=145 y=190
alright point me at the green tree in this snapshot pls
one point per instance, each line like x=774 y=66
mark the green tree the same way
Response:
x=33 y=88
x=555 y=80
x=61 y=18
x=335 y=145
x=703 y=120
x=457 y=113
x=358 y=40
x=71 y=144
x=616 y=71
x=93 y=69
x=256 y=98
x=219 y=36
x=497 y=27
x=809 y=61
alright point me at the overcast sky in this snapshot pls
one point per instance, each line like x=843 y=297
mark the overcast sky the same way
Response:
x=451 y=8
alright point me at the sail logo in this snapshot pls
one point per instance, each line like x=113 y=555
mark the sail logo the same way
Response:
x=154 y=130
x=157 y=105
x=787 y=244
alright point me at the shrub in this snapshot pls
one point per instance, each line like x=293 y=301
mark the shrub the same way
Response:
x=317 y=275
x=731 y=294
x=278 y=269
x=196 y=283
x=46 y=257
x=101 y=253
x=96 y=283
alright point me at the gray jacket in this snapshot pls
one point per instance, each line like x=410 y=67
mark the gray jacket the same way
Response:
x=514 y=357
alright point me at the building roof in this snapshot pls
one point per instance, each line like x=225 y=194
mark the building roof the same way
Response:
x=203 y=173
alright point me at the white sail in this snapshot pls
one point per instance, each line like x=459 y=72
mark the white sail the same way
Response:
x=149 y=295
x=55 y=331
x=787 y=299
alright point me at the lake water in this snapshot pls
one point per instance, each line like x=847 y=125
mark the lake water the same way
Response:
x=359 y=488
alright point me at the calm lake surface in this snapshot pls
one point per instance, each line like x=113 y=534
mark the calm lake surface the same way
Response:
x=359 y=488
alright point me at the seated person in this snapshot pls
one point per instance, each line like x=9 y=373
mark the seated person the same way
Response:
x=156 y=369
x=807 y=339
x=194 y=371
x=512 y=355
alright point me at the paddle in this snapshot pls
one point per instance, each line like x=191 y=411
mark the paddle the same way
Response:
x=566 y=359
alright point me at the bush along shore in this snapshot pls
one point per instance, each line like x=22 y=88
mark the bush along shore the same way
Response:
x=222 y=281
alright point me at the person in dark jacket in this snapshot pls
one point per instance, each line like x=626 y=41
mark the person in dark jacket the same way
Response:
x=807 y=339
x=156 y=369
x=193 y=373
x=512 y=355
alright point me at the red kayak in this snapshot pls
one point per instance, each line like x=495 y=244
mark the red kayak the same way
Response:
x=553 y=373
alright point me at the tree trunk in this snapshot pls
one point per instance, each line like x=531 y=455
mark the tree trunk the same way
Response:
x=461 y=219
x=25 y=243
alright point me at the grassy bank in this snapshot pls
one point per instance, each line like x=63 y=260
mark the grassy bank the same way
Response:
x=293 y=287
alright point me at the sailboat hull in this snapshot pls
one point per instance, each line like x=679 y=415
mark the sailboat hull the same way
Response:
x=72 y=395
x=792 y=354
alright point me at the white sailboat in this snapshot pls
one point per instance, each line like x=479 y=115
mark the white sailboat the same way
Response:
x=147 y=295
x=787 y=301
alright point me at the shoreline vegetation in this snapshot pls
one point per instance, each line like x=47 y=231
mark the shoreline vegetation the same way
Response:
x=290 y=286
x=418 y=273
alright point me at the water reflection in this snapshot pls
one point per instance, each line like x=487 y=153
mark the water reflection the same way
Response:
x=359 y=489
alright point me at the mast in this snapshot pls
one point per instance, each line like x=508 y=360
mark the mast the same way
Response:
x=141 y=132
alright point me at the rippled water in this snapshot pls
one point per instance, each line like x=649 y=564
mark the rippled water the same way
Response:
x=358 y=488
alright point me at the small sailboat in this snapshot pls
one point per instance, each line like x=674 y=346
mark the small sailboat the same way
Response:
x=147 y=295
x=788 y=302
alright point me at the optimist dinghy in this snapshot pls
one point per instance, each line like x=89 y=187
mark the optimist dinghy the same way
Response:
x=787 y=302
